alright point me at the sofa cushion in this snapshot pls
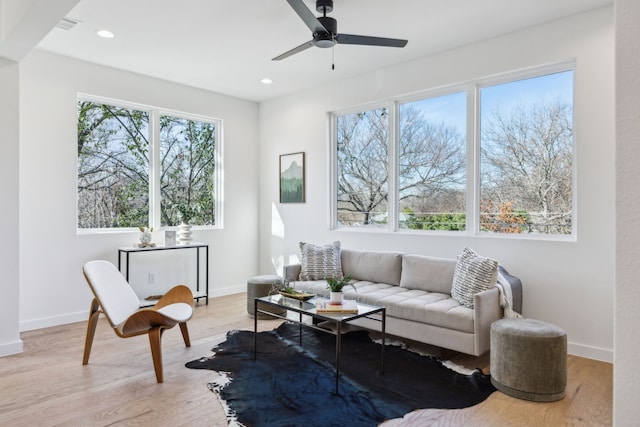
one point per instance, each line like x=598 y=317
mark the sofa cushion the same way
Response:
x=319 y=262
x=473 y=274
x=427 y=273
x=380 y=267
x=432 y=308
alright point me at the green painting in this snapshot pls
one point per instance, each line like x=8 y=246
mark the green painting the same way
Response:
x=292 y=178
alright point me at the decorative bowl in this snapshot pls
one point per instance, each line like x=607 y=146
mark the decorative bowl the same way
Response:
x=302 y=296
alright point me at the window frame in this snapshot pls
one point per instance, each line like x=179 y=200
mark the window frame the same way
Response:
x=155 y=163
x=473 y=155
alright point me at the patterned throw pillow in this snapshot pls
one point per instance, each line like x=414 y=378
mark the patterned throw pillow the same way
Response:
x=473 y=274
x=319 y=262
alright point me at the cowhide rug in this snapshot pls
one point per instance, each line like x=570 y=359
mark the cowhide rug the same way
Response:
x=289 y=385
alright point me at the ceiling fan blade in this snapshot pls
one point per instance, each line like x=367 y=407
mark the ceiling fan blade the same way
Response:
x=295 y=50
x=369 y=41
x=307 y=16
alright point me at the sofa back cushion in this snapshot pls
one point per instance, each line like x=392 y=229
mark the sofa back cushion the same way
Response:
x=377 y=267
x=427 y=273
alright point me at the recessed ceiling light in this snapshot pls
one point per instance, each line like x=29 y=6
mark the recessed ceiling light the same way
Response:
x=266 y=81
x=105 y=34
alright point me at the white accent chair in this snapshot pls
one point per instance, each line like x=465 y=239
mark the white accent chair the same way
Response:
x=114 y=297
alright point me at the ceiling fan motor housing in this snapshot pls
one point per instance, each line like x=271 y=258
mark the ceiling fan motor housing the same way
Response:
x=324 y=6
x=326 y=39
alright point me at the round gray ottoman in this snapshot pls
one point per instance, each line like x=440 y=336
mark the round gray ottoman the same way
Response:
x=259 y=286
x=529 y=359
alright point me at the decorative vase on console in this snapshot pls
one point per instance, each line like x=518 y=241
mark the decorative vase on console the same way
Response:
x=184 y=233
x=145 y=237
x=185 y=213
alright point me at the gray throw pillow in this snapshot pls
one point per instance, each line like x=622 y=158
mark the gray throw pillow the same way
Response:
x=320 y=262
x=473 y=274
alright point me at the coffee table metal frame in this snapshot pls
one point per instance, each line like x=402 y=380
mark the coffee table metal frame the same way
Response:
x=308 y=308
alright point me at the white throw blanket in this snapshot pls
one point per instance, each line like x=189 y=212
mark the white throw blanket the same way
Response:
x=506 y=297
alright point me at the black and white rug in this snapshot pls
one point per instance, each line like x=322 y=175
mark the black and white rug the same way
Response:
x=289 y=385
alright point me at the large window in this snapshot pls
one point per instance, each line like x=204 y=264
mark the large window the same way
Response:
x=491 y=158
x=132 y=176
x=432 y=163
x=362 y=165
x=526 y=163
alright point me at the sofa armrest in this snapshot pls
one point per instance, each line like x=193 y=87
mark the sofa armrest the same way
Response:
x=516 y=289
x=292 y=272
x=486 y=311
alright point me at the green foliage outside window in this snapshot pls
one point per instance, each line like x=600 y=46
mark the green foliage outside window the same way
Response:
x=114 y=152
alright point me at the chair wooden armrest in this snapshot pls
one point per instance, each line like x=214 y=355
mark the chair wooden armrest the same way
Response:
x=180 y=293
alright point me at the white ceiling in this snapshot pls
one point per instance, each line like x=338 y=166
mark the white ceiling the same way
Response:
x=226 y=46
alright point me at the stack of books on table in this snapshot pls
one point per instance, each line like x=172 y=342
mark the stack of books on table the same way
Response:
x=348 y=306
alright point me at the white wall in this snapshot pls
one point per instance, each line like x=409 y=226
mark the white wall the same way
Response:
x=627 y=321
x=9 y=143
x=567 y=283
x=52 y=288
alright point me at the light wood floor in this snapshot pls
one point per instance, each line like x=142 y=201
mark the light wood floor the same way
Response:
x=47 y=385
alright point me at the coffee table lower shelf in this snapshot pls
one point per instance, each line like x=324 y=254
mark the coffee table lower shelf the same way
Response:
x=339 y=321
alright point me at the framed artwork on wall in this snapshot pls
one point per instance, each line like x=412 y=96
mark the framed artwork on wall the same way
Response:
x=292 y=178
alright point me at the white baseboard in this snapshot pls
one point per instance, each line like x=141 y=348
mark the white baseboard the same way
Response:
x=227 y=291
x=7 y=349
x=589 y=352
x=47 y=322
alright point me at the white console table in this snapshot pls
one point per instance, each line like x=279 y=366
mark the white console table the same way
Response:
x=196 y=247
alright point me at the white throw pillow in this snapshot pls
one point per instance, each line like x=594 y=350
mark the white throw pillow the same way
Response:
x=473 y=274
x=320 y=262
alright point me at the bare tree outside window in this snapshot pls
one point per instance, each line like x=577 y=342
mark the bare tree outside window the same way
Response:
x=524 y=138
x=527 y=158
x=362 y=168
x=432 y=163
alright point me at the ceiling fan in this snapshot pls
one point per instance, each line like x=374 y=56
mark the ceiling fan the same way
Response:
x=325 y=30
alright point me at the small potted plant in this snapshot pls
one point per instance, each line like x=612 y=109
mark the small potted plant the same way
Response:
x=335 y=286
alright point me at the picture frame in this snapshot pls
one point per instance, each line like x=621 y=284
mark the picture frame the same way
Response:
x=169 y=237
x=291 y=178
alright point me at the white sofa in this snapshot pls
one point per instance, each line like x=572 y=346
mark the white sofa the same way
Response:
x=416 y=291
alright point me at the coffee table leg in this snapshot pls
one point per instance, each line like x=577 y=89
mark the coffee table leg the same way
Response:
x=300 y=328
x=384 y=326
x=255 y=328
x=338 y=346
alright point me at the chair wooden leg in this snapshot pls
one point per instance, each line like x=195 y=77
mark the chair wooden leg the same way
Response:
x=155 y=336
x=94 y=314
x=185 y=334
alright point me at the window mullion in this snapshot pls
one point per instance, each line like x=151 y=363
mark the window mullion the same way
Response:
x=155 y=170
x=473 y=159
x=392 y=196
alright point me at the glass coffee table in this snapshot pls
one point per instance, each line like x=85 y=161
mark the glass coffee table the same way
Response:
x=336 y=321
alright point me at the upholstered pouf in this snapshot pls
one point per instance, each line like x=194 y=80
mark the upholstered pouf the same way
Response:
x=529 y=359
x=259 y=286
